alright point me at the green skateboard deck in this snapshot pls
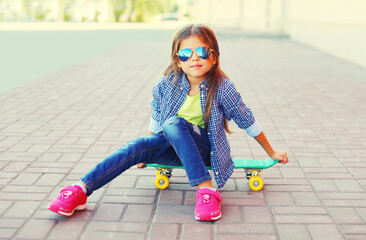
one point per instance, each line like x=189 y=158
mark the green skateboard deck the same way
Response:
x=251 y=167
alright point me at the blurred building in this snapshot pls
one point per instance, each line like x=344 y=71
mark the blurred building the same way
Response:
x=337 y=27
x=57 y=10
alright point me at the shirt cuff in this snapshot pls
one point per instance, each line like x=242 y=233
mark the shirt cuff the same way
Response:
x=154 y=126
x=254 y=130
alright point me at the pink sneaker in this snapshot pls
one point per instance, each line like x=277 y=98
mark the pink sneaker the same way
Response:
x=71 y=198
x=208 y=206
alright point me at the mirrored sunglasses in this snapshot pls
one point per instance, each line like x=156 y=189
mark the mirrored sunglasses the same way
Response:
x=186 y=53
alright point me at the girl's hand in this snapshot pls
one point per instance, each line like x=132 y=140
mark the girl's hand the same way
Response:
x=280 y=156
x=141 y=165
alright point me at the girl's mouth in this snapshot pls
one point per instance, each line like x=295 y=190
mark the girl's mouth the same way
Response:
x=196 y=66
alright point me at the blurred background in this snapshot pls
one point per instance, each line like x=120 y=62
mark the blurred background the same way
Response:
x=337 y=27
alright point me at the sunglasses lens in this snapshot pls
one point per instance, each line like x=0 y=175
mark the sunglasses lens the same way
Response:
x=203 y=52
x=184 y=54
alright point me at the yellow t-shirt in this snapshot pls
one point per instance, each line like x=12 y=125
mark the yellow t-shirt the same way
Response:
x=191 y=110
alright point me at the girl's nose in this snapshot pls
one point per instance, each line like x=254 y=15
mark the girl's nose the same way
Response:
x=195 y=56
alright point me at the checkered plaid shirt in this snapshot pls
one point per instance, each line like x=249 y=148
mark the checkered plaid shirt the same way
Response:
x=168 y=97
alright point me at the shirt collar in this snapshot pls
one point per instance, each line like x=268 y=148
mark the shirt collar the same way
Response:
x=204 y=84
x=184 y=82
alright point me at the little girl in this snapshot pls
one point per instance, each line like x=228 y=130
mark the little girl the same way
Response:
x=191 y=105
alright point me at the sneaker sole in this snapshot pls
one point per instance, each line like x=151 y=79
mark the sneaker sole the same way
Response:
x=68 y=214
x=208 y=219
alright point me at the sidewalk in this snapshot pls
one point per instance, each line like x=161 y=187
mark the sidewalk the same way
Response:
x=54 y=130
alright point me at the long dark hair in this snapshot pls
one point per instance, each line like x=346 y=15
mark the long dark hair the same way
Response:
x=214 y=76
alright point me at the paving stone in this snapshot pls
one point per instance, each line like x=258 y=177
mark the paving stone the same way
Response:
x=118 y=227
x=356 y=237
x=4 y=205
x=257 y=236
x=345 y=215
x=280 y=199
x=244 y=228
x=296 y=210
x=348 y=185
x=43 y=227
x=109 y=212
x=164 y=231
x=138 y=213
x=194 y=231
x=129 y=199
x=21 y=209
x=113 y=235
x=324 y=185
x=288 y=188
x=292 y=173
x=11 y=223
x=50 y=179
x=342 y=196
x=303 y=219
x=257 y=215
x=354 y=229
x=362 y=212
x=293 y=231
x=68 y=230
x=26 y=179
x=344 y=203
x=325 y=232
x=7 y=233
x=174 y=213
x=306 y=199
x=123 y=181
x=15 y=167
x=231 y=214
x=171 y=197
x=27 y=189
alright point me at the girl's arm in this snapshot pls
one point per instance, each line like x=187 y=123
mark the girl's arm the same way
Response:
x=274 y=154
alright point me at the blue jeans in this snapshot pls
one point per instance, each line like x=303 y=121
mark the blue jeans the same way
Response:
x=180 y=143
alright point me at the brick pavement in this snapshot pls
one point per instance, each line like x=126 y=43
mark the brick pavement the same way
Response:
x=310 y=104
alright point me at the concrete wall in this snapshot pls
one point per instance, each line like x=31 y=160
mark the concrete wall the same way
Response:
x=334 y=26
x=337 y=27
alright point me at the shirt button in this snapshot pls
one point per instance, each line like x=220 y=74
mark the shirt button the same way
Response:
x=181 y=88
x=211 y=153
x=217 y=173
x=208 y=133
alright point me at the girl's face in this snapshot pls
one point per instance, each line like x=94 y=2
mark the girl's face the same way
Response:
x=195 y=67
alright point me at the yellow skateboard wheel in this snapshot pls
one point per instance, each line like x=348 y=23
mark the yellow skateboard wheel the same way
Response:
x=256 y=183
x=161 y=181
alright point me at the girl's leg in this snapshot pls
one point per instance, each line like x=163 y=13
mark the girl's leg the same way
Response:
x=192 y=146
x=151 y=149
x=154 y=148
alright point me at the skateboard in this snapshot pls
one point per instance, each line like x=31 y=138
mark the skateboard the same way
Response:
x=252 y=171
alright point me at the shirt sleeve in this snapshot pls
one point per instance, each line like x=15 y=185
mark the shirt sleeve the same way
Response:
x=235 y=109
x=154 y=126
x=156 y=106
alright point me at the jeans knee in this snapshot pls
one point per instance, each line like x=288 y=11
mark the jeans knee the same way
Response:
x=170 y=124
